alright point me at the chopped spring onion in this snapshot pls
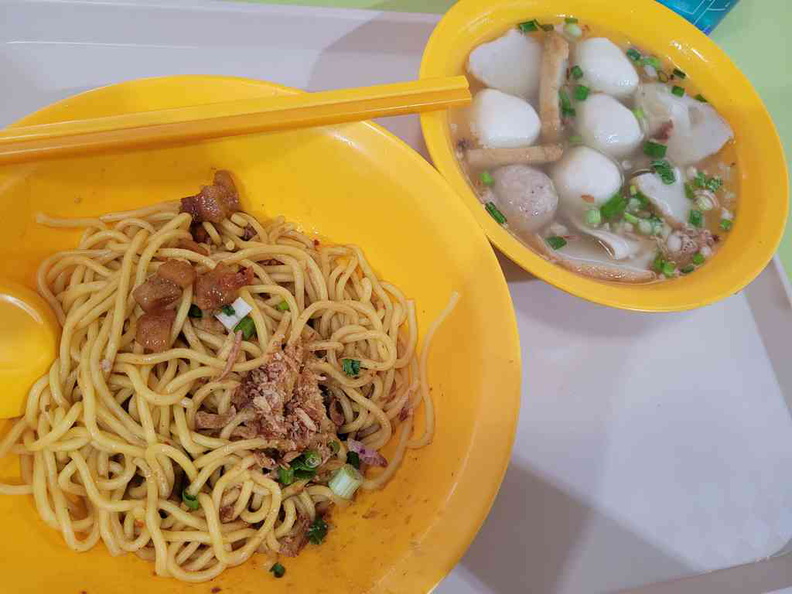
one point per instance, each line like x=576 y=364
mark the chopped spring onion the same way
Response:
x=556 y=242
x=713 y=184
x=335 y=447
x=529 y=26
x=633 y=189
x=679 y=73
x=573 y=30
x=486 y=178
x=633 y=54
x=644 y=227
x=195 y=311
x=247 y=326
x=654 y=149
x=696 y=218
x=346 y=481
x=278 y=570
x=662 y=76
x=641 y=197
x=665 y=171
x=698 y=259
x=576 y=72
x=631 y=218
x=669 y=268
x=575 y=139
x=701 y=98
x=581 y=92
x=705 y=202
x=495 y=213
x=190 y=501
x=726 y=224
x=566 y=104
x=547 y=27
x=687 y=269
x=639 y=114
x=317 y=531
x=678 y=91
x=652 y=61
x=353 y=459
x=570 y=20
x=689 y=193
x=658 y=263
x=231 y=315
x=285 y=476
x=614 y=207
x=283 y=306
x=634 y=205
x=593 y=217
x=309 y=460
x=351 y=367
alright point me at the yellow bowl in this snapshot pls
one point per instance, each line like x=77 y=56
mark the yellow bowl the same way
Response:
x=354 y=184
x=763 y=184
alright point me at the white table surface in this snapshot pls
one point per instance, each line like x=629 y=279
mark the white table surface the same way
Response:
x=649 y=447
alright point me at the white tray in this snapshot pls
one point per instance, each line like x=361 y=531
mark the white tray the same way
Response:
x=623 y=474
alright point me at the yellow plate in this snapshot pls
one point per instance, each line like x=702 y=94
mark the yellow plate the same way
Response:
x=354 y=183
x=763 y=186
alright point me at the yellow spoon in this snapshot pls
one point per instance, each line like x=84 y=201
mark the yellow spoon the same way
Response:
x=230 y=118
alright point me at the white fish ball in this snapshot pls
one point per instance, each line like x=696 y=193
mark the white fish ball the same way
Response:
x=606 y=68
x=510 y=64
x=608 y=126
x=499 y=120
x=585 y=178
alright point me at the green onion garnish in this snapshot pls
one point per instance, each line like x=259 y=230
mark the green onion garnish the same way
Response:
x=698 y=259
x=283 y=306
x=556 y=242
x=529 y=26
x=547 y=27
x=631 y=218
x=346 y=481
x=593 y=217
x=581 y=92
x=652 y=61
x=726 y=224
x=335 y=447
x=576 y=72
x=566 y=104
x=662 y=76
x=353 y=459
x=665 y=171
x=195 y=311
x=713 y=184
x=689 y=193
x=317 y=531
x=614 y=207
x=633 y=190
x=654 y=149
x=227 y=310
x=247 y=326
x=641 y=197
x=679 y=73
x=575 y=139
x=285 y=476
x=701 y=98
x=486 y=178
x=696 y=218
x=495 y=213
x=278 y=570
x=687 y=269
x=190 y=501
x=310 y=460
x=633 y=54
x=658 y=263
x=678 y=91
x=570 y=20
x=351 y=367
x=639 y=113
x=669 y=268
x=644 y=227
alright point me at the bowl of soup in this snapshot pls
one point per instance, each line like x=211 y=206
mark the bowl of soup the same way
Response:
x=616 y=154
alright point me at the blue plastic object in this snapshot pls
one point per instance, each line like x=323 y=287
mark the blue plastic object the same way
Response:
x=705 y=14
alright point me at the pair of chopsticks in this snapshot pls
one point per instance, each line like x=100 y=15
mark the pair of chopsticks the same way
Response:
x=229 y=118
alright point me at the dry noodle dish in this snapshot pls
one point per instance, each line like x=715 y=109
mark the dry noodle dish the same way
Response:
x=221 y=385
x=602 y=158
